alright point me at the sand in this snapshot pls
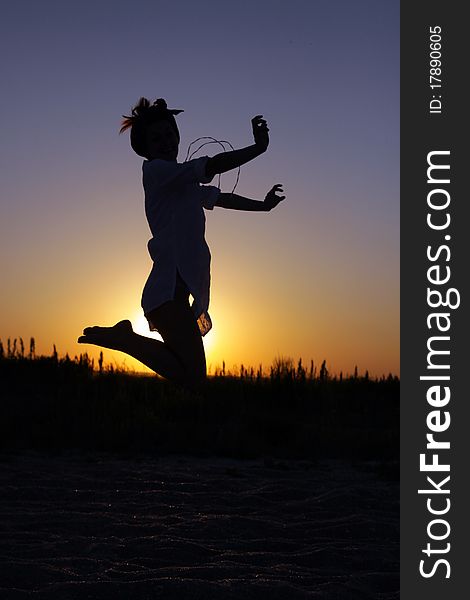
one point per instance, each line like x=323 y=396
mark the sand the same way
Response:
x=100 y=527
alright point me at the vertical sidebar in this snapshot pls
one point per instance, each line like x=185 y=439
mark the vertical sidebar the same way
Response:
x=435 y=413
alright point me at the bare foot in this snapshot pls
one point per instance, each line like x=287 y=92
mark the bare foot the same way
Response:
x=124 y=325
x=113 y=337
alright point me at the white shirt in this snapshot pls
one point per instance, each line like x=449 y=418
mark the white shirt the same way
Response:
x=174 y=201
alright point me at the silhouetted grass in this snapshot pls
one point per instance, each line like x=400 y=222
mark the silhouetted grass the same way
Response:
x=52 y=403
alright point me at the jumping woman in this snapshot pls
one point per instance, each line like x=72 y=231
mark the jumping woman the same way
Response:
x=174 y=202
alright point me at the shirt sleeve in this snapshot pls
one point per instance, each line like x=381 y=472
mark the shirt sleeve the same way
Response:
x=165 y=172
x=209 y=195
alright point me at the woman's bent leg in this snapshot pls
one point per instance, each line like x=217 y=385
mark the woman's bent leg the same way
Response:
x=179 y=358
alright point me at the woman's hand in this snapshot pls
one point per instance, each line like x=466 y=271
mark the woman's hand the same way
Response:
x=260 y=132
x=271 y=200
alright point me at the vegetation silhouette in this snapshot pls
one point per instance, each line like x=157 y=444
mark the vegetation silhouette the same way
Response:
x=57 y=403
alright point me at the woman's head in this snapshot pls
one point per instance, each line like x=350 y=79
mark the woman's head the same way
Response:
x=154 y=133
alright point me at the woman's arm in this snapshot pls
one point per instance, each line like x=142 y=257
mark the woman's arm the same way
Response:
x=236 y=202
x=226 y=161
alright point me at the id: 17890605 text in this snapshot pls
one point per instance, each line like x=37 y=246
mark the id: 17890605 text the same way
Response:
x=435 y=69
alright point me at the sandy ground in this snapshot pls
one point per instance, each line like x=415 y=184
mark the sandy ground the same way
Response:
x=98 y=527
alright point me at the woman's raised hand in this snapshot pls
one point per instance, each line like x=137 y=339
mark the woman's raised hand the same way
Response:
x=260 y=132
x=271 y=200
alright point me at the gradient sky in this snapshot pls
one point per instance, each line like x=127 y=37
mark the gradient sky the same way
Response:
x=316 y=278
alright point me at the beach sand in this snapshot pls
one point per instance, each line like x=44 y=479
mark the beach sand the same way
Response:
x=101 y=527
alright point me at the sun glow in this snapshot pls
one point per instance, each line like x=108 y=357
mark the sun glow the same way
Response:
x=210 y=346
x=140 y=325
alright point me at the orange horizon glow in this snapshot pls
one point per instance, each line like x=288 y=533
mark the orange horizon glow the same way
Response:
x=237 y=338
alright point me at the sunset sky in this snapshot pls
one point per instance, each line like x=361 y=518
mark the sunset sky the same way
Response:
x=316 y=278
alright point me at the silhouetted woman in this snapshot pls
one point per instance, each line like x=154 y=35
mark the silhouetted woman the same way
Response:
x=174 y=202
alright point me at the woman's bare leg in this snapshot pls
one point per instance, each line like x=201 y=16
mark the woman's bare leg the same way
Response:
x=179 y=358
x=152 y=353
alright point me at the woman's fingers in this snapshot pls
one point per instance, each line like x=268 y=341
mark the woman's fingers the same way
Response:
x=258 y=122
x=276 y=189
